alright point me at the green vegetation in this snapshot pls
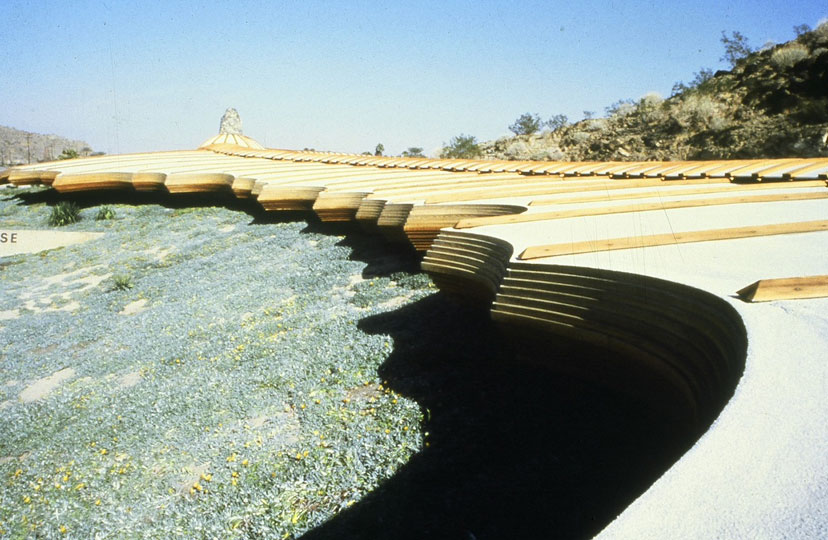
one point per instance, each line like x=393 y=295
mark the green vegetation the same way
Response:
x=64 y=213
x=380 y=148
x=557 y=121
x=526 y=124
x=123 y=282
x=105 y=212
x=68 y=153
x=788 y=55
x=461 y=146
x=413 y=151
x=229 y=401
x=736 y=48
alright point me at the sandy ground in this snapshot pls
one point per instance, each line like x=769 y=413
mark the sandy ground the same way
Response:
x=33 y=241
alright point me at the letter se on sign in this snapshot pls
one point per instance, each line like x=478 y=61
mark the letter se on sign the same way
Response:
x=8 y=237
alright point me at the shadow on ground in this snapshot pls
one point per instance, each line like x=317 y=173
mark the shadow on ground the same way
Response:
x=514 y=449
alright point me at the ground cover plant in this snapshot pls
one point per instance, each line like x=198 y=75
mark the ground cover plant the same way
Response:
x=191 y=375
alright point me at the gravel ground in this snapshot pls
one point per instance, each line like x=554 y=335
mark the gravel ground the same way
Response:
x=201 y=372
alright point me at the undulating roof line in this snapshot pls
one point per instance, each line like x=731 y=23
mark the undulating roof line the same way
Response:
x=651 y=260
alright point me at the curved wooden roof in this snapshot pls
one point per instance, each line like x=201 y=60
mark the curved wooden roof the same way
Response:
x=662 y=262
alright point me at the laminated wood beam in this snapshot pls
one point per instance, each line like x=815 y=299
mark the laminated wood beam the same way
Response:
x=642 y=207
x=632 y=242
x=199 y=183
x=717 y=188
x=785 y=289
x=68 y=183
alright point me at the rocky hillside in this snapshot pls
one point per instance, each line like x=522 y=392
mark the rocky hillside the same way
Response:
x=773 y=103
x=18 y=147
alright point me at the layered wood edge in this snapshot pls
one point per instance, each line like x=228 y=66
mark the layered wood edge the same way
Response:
x=510 y=237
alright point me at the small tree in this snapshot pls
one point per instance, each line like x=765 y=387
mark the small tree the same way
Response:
x=413 y=151
x=736 y=48
x=801 y=29
x=526 y=124
x=461 y=146
x=557 y=122
x=589 y=115
x=379 y=149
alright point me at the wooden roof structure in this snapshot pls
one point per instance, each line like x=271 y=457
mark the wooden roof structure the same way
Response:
x=664 y=262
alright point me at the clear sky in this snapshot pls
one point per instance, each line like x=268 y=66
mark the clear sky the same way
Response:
x=141 y=76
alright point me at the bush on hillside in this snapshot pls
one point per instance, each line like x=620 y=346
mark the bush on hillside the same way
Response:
x=736 y=48
x=461 y=146
x=557 y=122
x=622 y=107
x=700 y=113
x=526 y=124
x=787 y=56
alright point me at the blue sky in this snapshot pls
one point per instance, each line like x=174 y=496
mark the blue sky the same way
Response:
x=343 y=76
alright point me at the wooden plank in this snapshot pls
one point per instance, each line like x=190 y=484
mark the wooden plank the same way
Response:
x=556 y=186
x=716 y=188
x=642 y=207
x=632 y=242
x=785 y=289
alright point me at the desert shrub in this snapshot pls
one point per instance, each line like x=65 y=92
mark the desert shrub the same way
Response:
x=64 y=213
x=596 y=124
x=699 y=79
x=526 y=124
x=787 y=56
x=699 y=112
x=622 y=107
x=516 y=150
x=821 y=32
x=801 y=29
x=557 y=122
x=736 y=48
x=413 y=151
x=461 y=146
x=651 y=99
x=105 y=212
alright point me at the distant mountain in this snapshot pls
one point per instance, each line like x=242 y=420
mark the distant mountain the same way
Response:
x=18 y=147
x=773 y=103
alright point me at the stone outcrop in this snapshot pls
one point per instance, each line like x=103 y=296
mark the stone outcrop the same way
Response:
x=231 y=123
